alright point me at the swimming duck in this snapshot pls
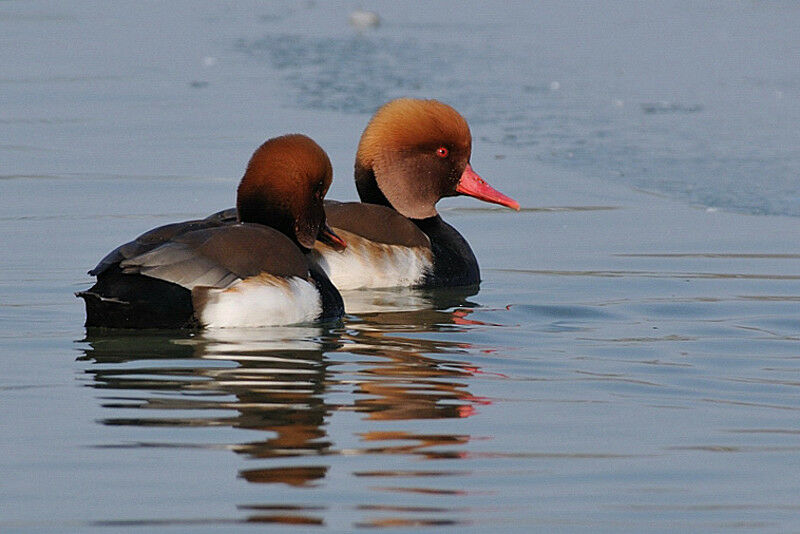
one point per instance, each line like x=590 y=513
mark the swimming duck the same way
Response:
x=411 y=154
x=254 y=271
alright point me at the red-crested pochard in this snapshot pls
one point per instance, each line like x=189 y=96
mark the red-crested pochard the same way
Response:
x=411 y=154
x=257 y=271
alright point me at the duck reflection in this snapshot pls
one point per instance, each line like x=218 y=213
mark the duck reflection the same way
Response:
x=287 y=382
x=271 y=379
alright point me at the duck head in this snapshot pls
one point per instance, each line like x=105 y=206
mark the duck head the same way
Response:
x=283 y=187
x=415 y=152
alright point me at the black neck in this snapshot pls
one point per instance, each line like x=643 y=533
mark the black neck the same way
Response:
x=367 y=186
x=251 y=210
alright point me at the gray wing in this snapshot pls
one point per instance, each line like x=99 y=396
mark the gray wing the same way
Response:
x=179 y=263
x=220 y=256
x=150 y=240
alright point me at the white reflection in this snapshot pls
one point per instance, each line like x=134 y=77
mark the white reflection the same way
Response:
x=235 y=343
x=389 y=300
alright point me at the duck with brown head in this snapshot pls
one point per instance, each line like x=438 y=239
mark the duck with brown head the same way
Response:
x=257 y=271
x=412 y=154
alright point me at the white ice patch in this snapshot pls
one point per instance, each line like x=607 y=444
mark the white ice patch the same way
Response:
x=367 y=264
x=258 y=301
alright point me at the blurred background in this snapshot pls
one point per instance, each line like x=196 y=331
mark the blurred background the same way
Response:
x=697 y=101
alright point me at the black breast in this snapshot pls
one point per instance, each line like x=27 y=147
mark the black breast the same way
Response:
x=332 y=303
x=454 y=263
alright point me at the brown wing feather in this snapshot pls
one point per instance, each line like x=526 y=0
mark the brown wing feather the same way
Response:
x=220 y=256
x=376 y=223
x=249 y=249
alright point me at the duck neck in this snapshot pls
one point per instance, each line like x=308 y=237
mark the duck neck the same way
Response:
x=250 y=210
x=367 y=187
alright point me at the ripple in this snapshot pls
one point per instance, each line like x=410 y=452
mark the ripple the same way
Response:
x=651 y=274
x=753 y=404
x=670 y=107
x=715 y=255
x=563 y=312
x=409 y=474
x=539 y=209
x=166 y=522
x=732 y=448
x=403 y=522
x=789 y=431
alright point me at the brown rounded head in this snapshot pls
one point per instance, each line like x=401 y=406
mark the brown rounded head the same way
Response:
x=283 y=187
x=415 y=152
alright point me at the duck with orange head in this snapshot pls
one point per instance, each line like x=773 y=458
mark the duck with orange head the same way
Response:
x=255 y=271
x=412 y=154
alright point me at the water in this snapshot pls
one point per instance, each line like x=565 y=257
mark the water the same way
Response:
x=630 y=362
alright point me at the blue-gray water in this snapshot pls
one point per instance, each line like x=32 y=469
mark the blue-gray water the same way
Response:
x=631 y=362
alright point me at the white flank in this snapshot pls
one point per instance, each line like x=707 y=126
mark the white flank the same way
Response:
x=367 y=264
x=258 y=301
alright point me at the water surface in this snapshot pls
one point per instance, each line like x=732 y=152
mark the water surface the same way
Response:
x=630 y=362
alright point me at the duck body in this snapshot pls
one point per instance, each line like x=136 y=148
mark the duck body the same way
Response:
x=385 y=249
x=216 y=272
x=199 y=273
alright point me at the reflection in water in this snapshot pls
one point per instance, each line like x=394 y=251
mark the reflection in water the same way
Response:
x=287 y=382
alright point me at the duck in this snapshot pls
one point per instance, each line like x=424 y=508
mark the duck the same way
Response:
x=258 y=270
x=412 y=153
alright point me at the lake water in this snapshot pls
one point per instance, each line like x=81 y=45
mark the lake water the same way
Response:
x=631 y=362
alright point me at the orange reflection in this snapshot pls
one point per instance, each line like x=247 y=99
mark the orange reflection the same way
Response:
x=291 y=476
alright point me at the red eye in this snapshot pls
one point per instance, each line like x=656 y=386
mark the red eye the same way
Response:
x=442 y=152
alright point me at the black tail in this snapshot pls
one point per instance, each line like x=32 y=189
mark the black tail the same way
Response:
x=121 y=300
